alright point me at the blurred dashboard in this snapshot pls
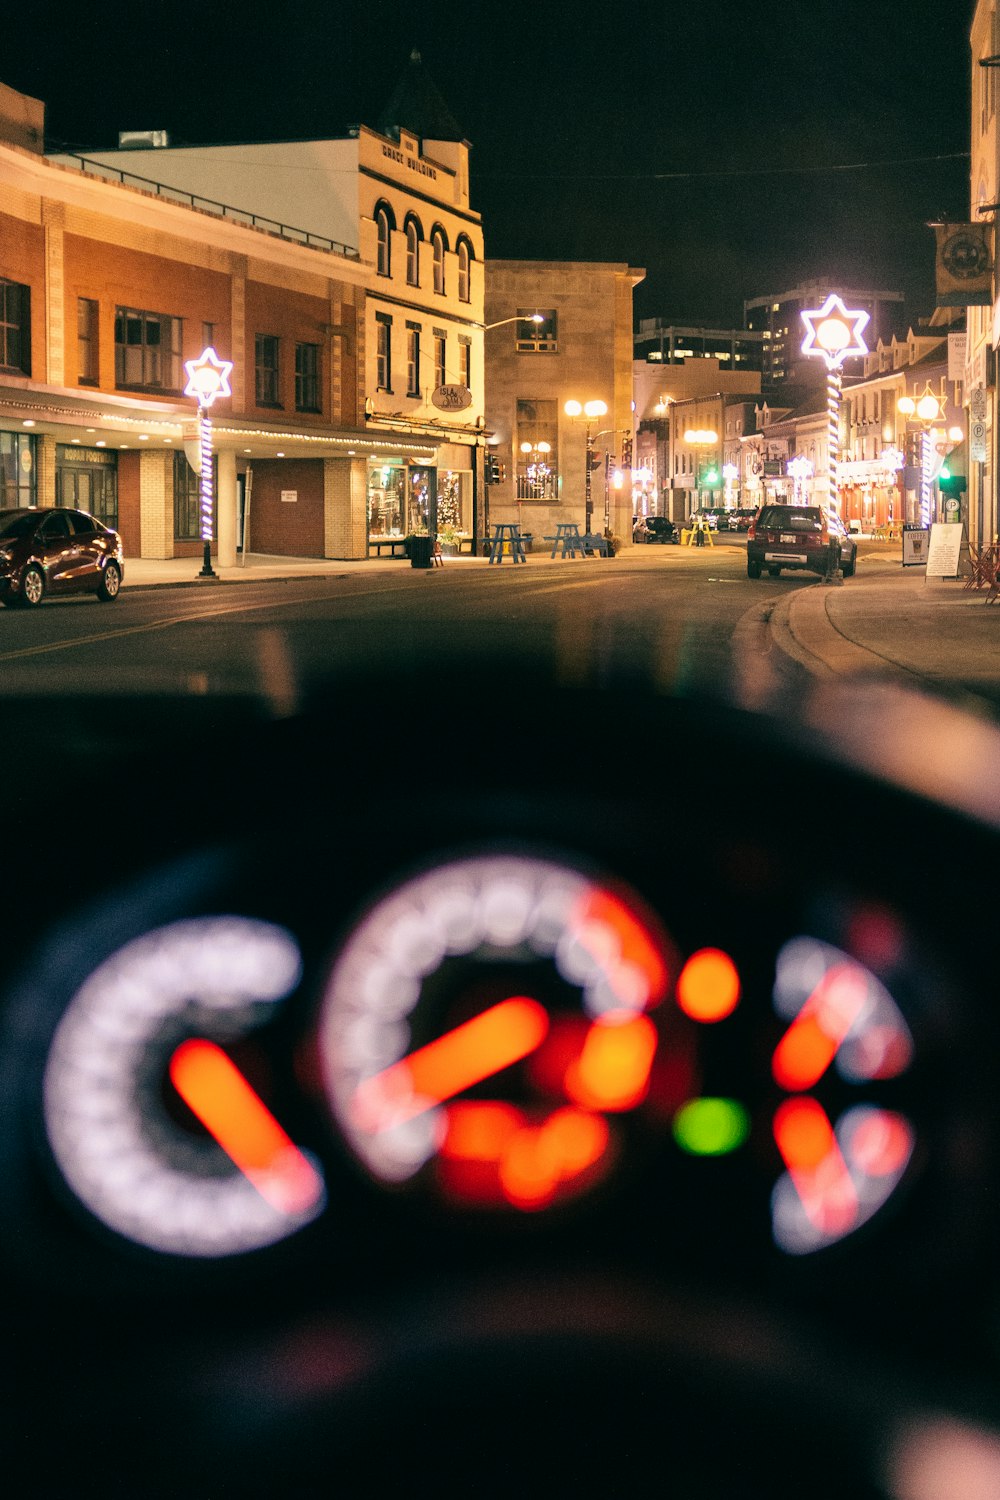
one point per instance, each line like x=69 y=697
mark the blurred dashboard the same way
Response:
x=402 y=1079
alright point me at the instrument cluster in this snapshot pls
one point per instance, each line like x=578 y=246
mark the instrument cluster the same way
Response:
x=497 y=1036
x=329 y=1112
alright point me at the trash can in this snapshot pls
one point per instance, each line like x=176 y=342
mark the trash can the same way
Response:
x=421 y=548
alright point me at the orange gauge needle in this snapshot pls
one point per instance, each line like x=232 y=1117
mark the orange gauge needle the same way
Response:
x=810 y=1044
x=476 y=1050
x=216 y=1092
x=809 y=1149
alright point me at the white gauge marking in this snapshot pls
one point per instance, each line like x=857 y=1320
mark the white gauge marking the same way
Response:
x=137 y=1173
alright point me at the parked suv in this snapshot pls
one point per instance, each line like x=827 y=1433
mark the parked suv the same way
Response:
x=58 y=551
x=801 y=537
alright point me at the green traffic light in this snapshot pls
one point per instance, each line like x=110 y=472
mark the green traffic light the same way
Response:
x=945 y=472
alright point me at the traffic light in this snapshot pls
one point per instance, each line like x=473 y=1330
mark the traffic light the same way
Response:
x=626 y=453
x=492 y=469
x=949 y=483
x=710 y=477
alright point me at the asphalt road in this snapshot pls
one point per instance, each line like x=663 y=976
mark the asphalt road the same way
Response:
x=672 y=625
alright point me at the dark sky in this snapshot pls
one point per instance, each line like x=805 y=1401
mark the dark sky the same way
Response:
x=730 y=149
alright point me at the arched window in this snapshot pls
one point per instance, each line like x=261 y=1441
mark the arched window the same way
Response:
x=438 y=243
x=383 y=229
x=464 y=259
x=413 y=237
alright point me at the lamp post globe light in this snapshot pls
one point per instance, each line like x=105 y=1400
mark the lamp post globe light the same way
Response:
x=208 y=379
x=589 y=412
x=834 y=333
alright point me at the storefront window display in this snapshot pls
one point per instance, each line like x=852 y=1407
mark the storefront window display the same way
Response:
x=403 y=500
x=454 y=501
x=386 y=500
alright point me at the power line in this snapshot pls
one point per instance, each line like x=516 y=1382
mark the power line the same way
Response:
x=856 y=166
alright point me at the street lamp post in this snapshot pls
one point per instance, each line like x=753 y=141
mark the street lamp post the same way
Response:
x=834 y=333
x=800 y=470
x=924 y=409
x=590 y=411
x=208 y=379
x=700 y=439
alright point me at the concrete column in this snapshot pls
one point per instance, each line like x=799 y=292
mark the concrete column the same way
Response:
x=225 y=502
x=345 y=482
x=53 y=218
x=156 y=508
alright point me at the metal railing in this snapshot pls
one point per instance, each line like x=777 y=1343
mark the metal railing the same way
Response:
x=209 y=205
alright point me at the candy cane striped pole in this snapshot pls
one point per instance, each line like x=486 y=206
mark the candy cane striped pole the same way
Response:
x=834 y=384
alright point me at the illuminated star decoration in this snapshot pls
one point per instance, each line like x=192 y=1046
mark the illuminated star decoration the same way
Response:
x=834 y=332
x=208 y=377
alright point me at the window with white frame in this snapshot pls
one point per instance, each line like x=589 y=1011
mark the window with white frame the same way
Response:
x=537 y=331
x=438 y=246
x=413 y=359
x=464 y=273
x=147 y=350
x=412 y=252
x=536 y=449
x=440 y=357
x=383 y=352
x=383 y=230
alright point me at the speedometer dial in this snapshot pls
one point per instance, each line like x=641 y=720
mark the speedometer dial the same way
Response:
x=486 y=1022
x=151 y=1122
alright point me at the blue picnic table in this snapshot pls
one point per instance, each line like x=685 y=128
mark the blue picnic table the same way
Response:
x=507 y=532
x=570 y=543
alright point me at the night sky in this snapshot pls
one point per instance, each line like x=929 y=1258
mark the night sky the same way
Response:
x=730 y=149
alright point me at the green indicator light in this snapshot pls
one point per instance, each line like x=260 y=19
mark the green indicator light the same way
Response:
x=711 y=1127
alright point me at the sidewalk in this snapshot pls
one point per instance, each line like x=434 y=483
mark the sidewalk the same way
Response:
x=891 y=618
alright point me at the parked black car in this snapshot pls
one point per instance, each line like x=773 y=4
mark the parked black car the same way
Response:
x=654 y=529
x=58 y=551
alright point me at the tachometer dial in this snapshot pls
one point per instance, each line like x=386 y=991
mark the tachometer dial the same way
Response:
x=152 y=1123
x=486 y=1021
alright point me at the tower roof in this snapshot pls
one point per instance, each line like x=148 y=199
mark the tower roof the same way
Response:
x=418 y=105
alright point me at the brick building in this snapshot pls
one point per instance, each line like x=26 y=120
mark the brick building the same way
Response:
x=393 y=202
x=114 y=272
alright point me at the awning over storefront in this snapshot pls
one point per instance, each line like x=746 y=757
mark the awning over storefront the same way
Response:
x=122 y=422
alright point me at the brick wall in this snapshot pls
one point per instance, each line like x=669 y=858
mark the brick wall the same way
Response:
x=22 y=258
x=287 y=528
